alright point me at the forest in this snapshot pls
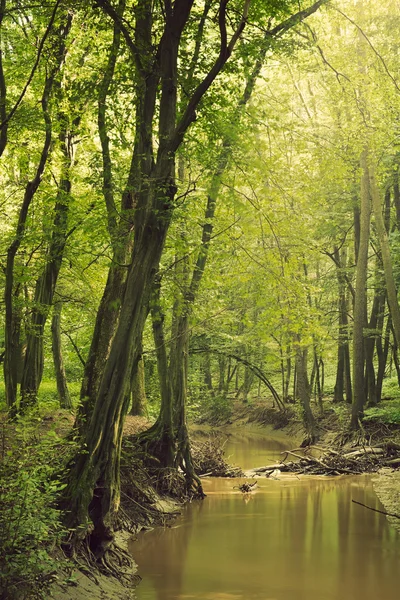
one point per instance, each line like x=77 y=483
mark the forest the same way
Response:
x=200 y=224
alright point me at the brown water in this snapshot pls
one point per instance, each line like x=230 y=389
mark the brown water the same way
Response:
x=292 y=539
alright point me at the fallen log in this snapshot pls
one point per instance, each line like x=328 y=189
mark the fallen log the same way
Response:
x=366 y=450
x=393 y=462
x=269 y=467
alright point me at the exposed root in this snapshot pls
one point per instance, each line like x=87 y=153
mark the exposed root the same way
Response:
x=117 y=562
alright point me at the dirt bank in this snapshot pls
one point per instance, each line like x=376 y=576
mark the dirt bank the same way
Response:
x=387 y=488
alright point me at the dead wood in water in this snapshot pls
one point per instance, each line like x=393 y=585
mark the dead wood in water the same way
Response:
x=208 y=459
x=382 y=512
x=365 y=459
x=246 y=487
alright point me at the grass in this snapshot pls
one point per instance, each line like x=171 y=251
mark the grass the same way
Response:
x=47 y=398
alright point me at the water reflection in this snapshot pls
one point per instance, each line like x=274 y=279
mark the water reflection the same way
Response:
x=250 y=447
x=292 y=539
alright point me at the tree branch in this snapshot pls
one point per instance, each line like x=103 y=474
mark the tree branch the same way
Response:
x=39 y=53
x=375 y=51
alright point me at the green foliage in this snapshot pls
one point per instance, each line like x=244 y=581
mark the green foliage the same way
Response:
x=31 y=470
x=386 y=412
x=216 y=409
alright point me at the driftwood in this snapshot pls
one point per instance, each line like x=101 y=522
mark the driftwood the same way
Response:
x=367 y=450
x=246 y=487
x=364 y=459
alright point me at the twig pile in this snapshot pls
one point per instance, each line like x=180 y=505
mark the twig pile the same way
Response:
x=363 y=459
x=208 y=459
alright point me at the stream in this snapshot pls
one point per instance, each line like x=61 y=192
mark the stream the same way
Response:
x=291 y=539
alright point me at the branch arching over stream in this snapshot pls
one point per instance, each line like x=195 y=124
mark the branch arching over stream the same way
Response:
x=256 y=370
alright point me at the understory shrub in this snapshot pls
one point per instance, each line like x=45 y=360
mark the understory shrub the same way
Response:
x=216 y=409
x=386 y=412
x=31 y=463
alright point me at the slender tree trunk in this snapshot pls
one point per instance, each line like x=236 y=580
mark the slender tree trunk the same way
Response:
x=11 y=344
x=343 y=340
x=120 y=225
x=46 y=284
x=370 y=339
x=161 y=437
x=382 y=352
x=62 y=386
x=360 y=302
x=288 y=375
x=222 y=369
x=207 y=374
x=386 y=257
x=3 y=87
x=303 y=391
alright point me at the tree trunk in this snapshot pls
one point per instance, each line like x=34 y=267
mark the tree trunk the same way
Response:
x=382 y=352
x=11 y=328
x=62 y=386
x=138 y=391
x=119 y=228
x=303 y=391
x=207 y=374
x=222 y=368
x=360 y=301
x=46 y=284
x=343 y=339
x=386 y=257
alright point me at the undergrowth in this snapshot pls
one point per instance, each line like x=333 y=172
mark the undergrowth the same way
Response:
x=31 y=465
x=386 y=412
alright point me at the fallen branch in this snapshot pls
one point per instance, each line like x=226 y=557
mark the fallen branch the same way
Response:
x=367 y=450
x=382 y=512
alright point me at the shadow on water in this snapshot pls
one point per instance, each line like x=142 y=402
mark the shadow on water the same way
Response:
x=292 y=539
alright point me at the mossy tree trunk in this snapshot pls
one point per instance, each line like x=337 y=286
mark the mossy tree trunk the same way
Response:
x=120 y=226
x=92 y=492
x=138 y=390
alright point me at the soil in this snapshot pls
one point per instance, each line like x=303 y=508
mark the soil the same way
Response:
x=387 y=488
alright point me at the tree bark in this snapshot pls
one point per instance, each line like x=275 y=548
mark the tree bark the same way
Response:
x=386 y=257
x=343 y=340
x=62 y=386
x=303 y=391
x=138 y=391
x=360 y=301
